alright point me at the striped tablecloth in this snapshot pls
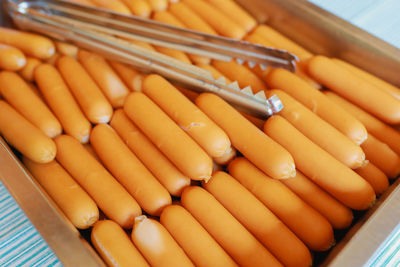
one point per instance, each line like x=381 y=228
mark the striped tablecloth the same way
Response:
x=22 y=245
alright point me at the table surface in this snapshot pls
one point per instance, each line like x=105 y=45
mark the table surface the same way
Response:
x=22 y=245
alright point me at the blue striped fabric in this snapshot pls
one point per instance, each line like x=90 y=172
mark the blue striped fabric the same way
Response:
x=20 y=243
x=388 y=253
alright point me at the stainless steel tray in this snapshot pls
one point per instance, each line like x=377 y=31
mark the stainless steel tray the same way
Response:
x=317 y=30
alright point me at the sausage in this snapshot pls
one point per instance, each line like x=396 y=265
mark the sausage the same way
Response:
x=128 y=170
x=53 y=59
x=332 y=175
x=336 y=213
x=355 y=89
x=310 y=226
x=197 y=243
x=244 y=76
x=108 y=194
x=156 y=244
x=258 y=220
x=227 y=157
x=243 y=247
x=190 y=94
x=221 y=23
x=61 y=101
x=139 y=8
x=11 y=58
x=168 y=18
x=282 y=42
x=188 y=116
x=131 y=77
x=36 y=145
x=67 y=49
x=158 y=5
x=318 y=103
x=19 y=95
x=319 y=131
x=115 y=5
x=82 y=2
x=375 y=177
x=382 y=156
x=230 y=8
x=168 y=137
x=114 y=245
x=105 y=77
x=30 y=44
x=259 y=123
x=381 y=84
x=91 y=100
x=190 y=18
x=166 y=173
x=75 y=203
x=379 y=129
x=261 y=150
x=214 y=72
x=91 y=151
x=27 y=72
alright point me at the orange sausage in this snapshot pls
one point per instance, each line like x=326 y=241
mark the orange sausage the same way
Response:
x=261 y=150
x=17 y=92
x=188 y=17
x=158 y=5
x=156 y=244
x=188 y=116
x=319 y=131
x=61 y=101
x=318 y=103
x=28 y=71
x=114 y=245
x=282 y=42
x=168 y=137
x=91 y=151
x=221 y=23
x=67 y=49
x=105 y=77
x=24 y=136
x=91 y=100
x=355 y=89
x=256 y=121
x=168 y=18
x=109 y=195
x=76 y=204
x=375 y=177
x=53 y=59
x=204 y=251
x=114 y=5
x=227 y=157
x=138 y=7
x=244 y=248
x=381 y=84
x=191 y=95
x=310 y=226
x=11 y=58
x=332 y=175
x=379 y=129
x=128 y=170
x=335 y=212
x=259 y=220
x=229 y=8
x=166 y=173
x=82 y=2
x=241 y=74
x=30 y=44
x=131 y=77
x=382 y=156
x=214 y=72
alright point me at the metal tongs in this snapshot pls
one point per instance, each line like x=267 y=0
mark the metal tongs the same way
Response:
x=108 y=33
